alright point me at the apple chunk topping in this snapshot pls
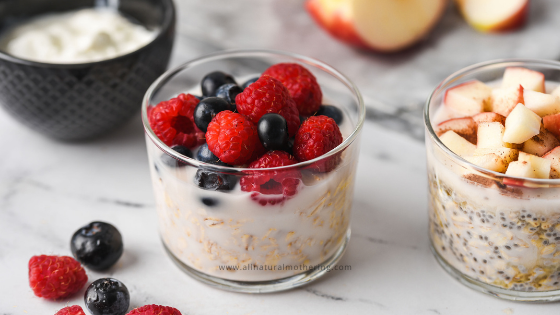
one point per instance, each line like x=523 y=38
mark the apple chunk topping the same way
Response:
x=496 y=159
x=554 y=157
x=529 y=79
x=521 y=125
x=552 y=124
x=465 y=127
x=457 y=144
x=468 y=98
x=504 y=100
x=540 y=103
x=521 y=169
x=541 y=143
x=489 y=117
x=490 y=135
x=540 y=165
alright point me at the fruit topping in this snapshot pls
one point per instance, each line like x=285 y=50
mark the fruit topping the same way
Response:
x=529 y=79
x=489 y=117
x=468 y=98
x=97 y=245
x=207 y=109
x=552 y=124
x=71 y=310
x=154 y=310
x=228 y=92
x=107 y=296
x=457 y=144
x=249 y=82
x=465 y=127
x=213 y=180
x=504 y=100
x=317 y=136
x=554 y=157
x=54 y=277
x=521 y=125
x=542 y=104
x=332 y=112
x=273 y=132
x=171 y=161
x=212 y=81
x=205 y=155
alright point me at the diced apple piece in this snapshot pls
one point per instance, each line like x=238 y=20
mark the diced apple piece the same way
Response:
x=465 y=127
x=554 y=157
x=521 y=125
x=540 y=144
x=521 y=169
x=529 y=79
x=457 y=144
x=496 y=160
x=552 y=124
x=542 y=104
x=468 y=98
x=556 y=91
x=489 y=117
x=504 y=100
x=540 y=165
x=490 y=135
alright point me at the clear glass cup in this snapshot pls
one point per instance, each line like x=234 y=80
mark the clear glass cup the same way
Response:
x=494 y=233
x=248 y=241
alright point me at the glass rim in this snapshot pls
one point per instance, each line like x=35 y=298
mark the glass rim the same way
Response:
x=497 y=64
x=164 y=78
x=161 y=30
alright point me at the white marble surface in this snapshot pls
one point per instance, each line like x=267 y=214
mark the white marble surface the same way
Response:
x=48 y=189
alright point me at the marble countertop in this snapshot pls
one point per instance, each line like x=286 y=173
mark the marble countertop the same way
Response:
x=48 y=189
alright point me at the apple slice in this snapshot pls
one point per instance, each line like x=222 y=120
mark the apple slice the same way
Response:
x=521 y=169
x=504 y=100
x=529 y=79
x=457 y=144
x=494 y=15
x=465 y=127
x=521 y=125
x=540 y=144
x=556 y=91
x=490 y=135
x=554 y=157
x=496 y=160
x=468 y=98
x=552 y=124
x=540 y=165
x=379 y=25
x=489 y=117
x=542 y=104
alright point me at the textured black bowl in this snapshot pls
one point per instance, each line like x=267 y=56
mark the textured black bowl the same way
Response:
x=82 y=101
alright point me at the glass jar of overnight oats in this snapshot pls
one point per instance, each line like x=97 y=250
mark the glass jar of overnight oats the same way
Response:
x=494 y=233
x=253 y=241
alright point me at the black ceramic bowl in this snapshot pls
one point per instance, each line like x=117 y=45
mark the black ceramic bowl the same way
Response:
x=82 y=101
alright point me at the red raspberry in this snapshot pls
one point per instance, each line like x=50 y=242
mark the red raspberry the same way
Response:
x=173 y=122
x=55 y=277
x=154 y=310
x=71 y=310
x=268 y=95
x=233 y=138
x=317 y=136
x=274 y=182
x=301 y=84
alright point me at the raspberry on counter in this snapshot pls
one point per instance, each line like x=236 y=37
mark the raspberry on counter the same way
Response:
x=154 y=310
x=71 y=310
x=54 y=277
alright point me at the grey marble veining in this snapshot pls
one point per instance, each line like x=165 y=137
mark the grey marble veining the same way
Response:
x=48 y=189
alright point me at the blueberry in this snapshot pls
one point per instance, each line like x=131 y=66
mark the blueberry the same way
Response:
x=97 y=245
x=332 y=112
x=172 y=162
x=205 y=155
x=249 y=82
x=207 y=109
x=210 y=202
x=212 y=81
x=210 y=180
x=107 y=296
x=273 y=132
x=228 y=92
x=200 y=98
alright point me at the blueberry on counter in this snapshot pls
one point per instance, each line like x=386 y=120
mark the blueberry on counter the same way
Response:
x=97 y=245
x=107 y=296
x=205 y=155
x=249 y=82
x=212 y=81
x=211 y=180
x=228 y=92
x=172 y=162
x=207 y=109
x=332 y=112
x=273 y=132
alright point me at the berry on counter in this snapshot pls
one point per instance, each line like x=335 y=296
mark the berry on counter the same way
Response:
x=205 y=155
x=233 y=138
x=301 y=84
x=332 y=112
x=172 y=162
x=71 y=310
x=207 y=109
x=273 y=132
x=249 y=82
x=211 y=180
x=107 y=296
x=54 y=277
x=97 y=245
x=274 y=182
x=155 y=310
x=228 y=92
x=268 y=95
x=212 y=81
x=173 y=123
x=317 y=136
